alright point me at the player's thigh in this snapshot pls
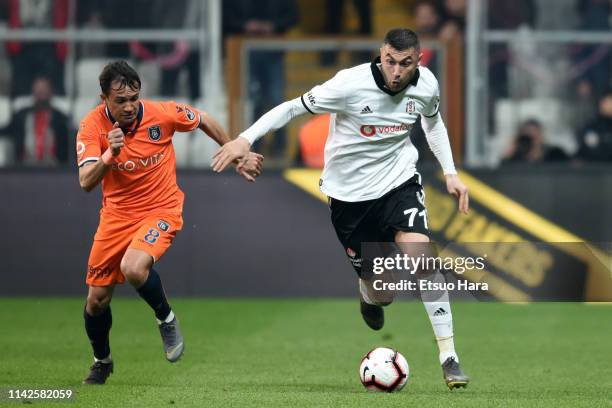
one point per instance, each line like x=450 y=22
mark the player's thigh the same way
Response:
x=404 y=222
x=110 y=243
x=135 y=262
x=402 y=214
x=353 y=226
x=156 y=234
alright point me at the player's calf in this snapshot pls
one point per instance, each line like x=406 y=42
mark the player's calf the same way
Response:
x=371 y=310
x=98 y=320
x=152 y=292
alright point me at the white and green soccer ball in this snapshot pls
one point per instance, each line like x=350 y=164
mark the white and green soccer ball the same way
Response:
x=384 y=369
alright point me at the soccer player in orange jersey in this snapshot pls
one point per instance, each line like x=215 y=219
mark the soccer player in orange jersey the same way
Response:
x=126 y=144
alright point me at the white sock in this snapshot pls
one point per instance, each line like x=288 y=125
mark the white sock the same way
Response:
x=106 y=360
x=363 y=290
x=440 y=315
x=168 y=319
x=441 y=318
x=447 y=349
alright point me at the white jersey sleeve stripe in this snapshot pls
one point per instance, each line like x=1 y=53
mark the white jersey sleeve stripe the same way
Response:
x=432 y=115
x=87 y=160
x=304 y=103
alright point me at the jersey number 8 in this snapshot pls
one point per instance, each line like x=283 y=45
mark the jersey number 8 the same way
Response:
x=152 y=236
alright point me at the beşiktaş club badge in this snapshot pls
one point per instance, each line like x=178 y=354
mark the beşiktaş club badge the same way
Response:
x=410 y=106
x=155 y=133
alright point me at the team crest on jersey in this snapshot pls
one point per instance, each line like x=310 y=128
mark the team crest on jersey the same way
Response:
x=190 y=114
x=411 y=106
x=163 y=225
x=155 y=133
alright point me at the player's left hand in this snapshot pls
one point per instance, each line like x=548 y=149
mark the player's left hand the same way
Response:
x=250 y=167
x=237 y=149
x=455 y=187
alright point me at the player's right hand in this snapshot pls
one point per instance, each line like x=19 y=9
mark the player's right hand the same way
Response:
x=116 y=139
x=228 y=153
x=250 y=167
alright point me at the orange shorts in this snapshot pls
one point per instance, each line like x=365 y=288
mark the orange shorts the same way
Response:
x=152 y=234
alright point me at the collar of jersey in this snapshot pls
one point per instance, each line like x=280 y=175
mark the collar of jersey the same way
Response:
x=380 y=80
x=138 y=119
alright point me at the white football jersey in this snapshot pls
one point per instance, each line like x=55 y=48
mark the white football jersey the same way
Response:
x=368 y=150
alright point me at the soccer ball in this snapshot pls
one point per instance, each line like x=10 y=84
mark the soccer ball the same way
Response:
x=384 y=369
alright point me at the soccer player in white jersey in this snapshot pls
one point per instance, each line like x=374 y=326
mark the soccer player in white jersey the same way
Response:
x=370 y=164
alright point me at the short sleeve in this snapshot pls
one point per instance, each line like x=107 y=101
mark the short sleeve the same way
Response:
x=327 y=97
x=184 y=117
x=433 y=106
x=88 y=147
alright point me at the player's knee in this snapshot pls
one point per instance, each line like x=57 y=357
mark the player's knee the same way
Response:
x=135 y=274
x=97 y=303
x=410 y=237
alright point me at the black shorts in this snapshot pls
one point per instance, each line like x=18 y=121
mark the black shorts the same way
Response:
x=401 y=209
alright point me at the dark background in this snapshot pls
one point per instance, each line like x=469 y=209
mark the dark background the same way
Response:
x=264 y=239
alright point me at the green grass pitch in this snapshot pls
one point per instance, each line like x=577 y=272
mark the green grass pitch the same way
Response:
x=294 y=353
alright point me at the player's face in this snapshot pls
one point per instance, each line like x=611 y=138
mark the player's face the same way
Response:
x=123 y=103
x=398 y=67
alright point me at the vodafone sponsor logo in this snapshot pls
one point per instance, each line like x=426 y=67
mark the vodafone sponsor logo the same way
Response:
x=368 y=130
x=371 y=130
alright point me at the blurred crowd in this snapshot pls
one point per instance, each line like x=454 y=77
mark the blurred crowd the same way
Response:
x=40 y=125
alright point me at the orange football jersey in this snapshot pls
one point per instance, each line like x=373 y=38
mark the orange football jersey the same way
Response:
x=143 y=178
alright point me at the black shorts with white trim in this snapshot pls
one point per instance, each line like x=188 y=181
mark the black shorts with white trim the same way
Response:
x=401 y=209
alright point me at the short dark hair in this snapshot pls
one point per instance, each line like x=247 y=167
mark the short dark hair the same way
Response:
x=118 y=71
x=532 y=122
x=402 y=39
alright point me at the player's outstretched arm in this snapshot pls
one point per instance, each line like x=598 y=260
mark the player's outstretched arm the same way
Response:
x=91 y=174
x=272 y=120
x=249 y=165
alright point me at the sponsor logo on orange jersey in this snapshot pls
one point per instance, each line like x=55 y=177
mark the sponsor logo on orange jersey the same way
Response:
x=133 y=165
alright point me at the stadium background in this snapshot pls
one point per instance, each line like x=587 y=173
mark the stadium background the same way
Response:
x=524 y=88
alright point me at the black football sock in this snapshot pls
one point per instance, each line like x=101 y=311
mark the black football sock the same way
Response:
x=98 y=328
x=152 y=292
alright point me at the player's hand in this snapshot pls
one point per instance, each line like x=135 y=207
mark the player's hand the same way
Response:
x=116 y=139
x=455 y=187
x=250 y=167
x=237 y=149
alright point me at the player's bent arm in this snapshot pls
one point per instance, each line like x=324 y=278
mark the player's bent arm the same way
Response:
x=90 y=174
x=274 y=119
x=213 y=129
x=437 y=139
